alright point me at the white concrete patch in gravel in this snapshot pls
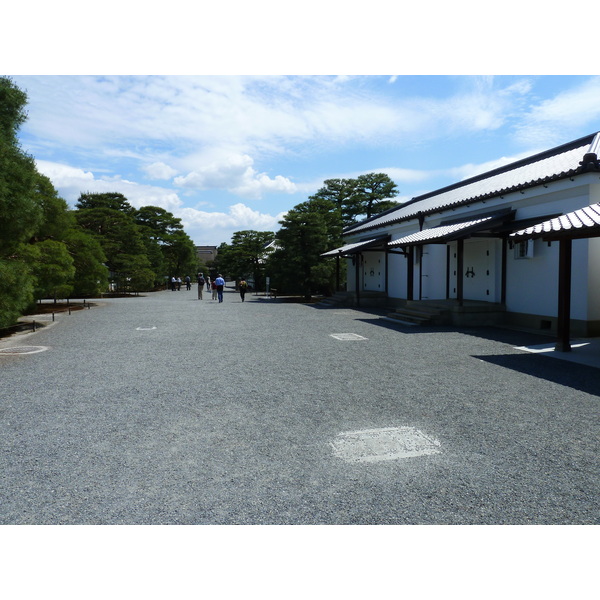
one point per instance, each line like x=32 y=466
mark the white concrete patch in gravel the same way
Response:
x=144 y=328
x=347 y=337
x=391 y=443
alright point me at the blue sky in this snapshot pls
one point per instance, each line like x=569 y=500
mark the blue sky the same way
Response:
x=230 y=150
x=227 y=153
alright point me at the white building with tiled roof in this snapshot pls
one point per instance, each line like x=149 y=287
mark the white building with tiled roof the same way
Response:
x=450 y=253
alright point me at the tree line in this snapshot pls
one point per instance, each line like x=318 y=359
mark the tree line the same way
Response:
x=50 y=251
x=291 y=257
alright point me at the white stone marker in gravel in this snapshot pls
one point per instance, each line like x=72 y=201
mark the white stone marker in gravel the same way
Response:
x=346 y=337
x=391 y=443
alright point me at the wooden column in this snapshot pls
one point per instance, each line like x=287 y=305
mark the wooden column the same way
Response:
x=504 y=260
x=386 y=255
x=448 y=254
x=563 y=343
x=357 y=277
x=410 y=277
x=460 y=247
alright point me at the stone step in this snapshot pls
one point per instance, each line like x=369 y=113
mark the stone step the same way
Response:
x=405 y=319
x=418 y=314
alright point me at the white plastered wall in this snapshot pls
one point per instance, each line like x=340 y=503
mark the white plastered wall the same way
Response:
x=433 y=272
x=532 y=283
x=594 y=279
x=579 y=280
x=397 y=273
x=594 y=265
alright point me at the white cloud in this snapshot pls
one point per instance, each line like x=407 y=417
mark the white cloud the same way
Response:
x=247 y=115
x=235 y=173
x=203 y=227
x=70 y=182
x=404 y=175
x=212 y=228
x=553 y=120
x=159 y=170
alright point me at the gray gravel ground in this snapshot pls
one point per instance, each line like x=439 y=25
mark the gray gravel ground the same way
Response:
x=224 y=414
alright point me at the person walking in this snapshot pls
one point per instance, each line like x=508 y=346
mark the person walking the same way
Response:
x=213 y=287
x=243 y=287
x=220 y=283
x=201 y=282
x=188 y=283
x=173 y=284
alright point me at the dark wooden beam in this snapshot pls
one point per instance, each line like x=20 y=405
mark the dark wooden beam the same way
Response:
x=460 y=247
x=448 y=254
x=410 y=273
x=563 y=343
x=503 y=275
x=357 y=258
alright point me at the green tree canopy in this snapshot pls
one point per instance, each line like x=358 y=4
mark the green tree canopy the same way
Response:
x=110 y=219
x=372 y=194
x=20 y=213
x=169 y=248
x=53 y=269
x=91 y=275
x=12 y=110
x=160 y=222
x=180 y=254
x=363 y=197
x=306 y=232
x=341 y=193
x=245 y=256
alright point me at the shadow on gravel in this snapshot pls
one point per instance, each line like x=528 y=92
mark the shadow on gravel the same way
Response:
x=496 y=334
x=579 y=377
x=570 y=374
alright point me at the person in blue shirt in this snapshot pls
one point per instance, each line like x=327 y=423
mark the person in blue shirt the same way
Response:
x=220 y=283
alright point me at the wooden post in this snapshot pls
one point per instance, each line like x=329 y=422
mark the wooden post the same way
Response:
x=447 y=272
x=504 y=260
x=357 y=277
x=460 y=246
x=563 y=343
x=410 y=277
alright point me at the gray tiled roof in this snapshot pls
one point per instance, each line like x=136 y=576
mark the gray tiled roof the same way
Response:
x=346 y=248
x=349 y=248
x=436 y=233
x=579 y=223
x=557 y=163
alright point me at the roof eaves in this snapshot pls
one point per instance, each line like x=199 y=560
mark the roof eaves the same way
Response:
x=581 y=223
x=590 y=162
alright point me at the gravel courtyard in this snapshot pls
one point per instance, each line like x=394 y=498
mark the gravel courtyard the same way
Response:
x=164 y=409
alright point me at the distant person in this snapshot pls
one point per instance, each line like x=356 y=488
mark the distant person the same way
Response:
x=208 y=286
x=179 y=284
x=188 y=283
x=173 y=284
x=201 y=282
x=213 y=287
x=243 y=287
x=220 y=283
